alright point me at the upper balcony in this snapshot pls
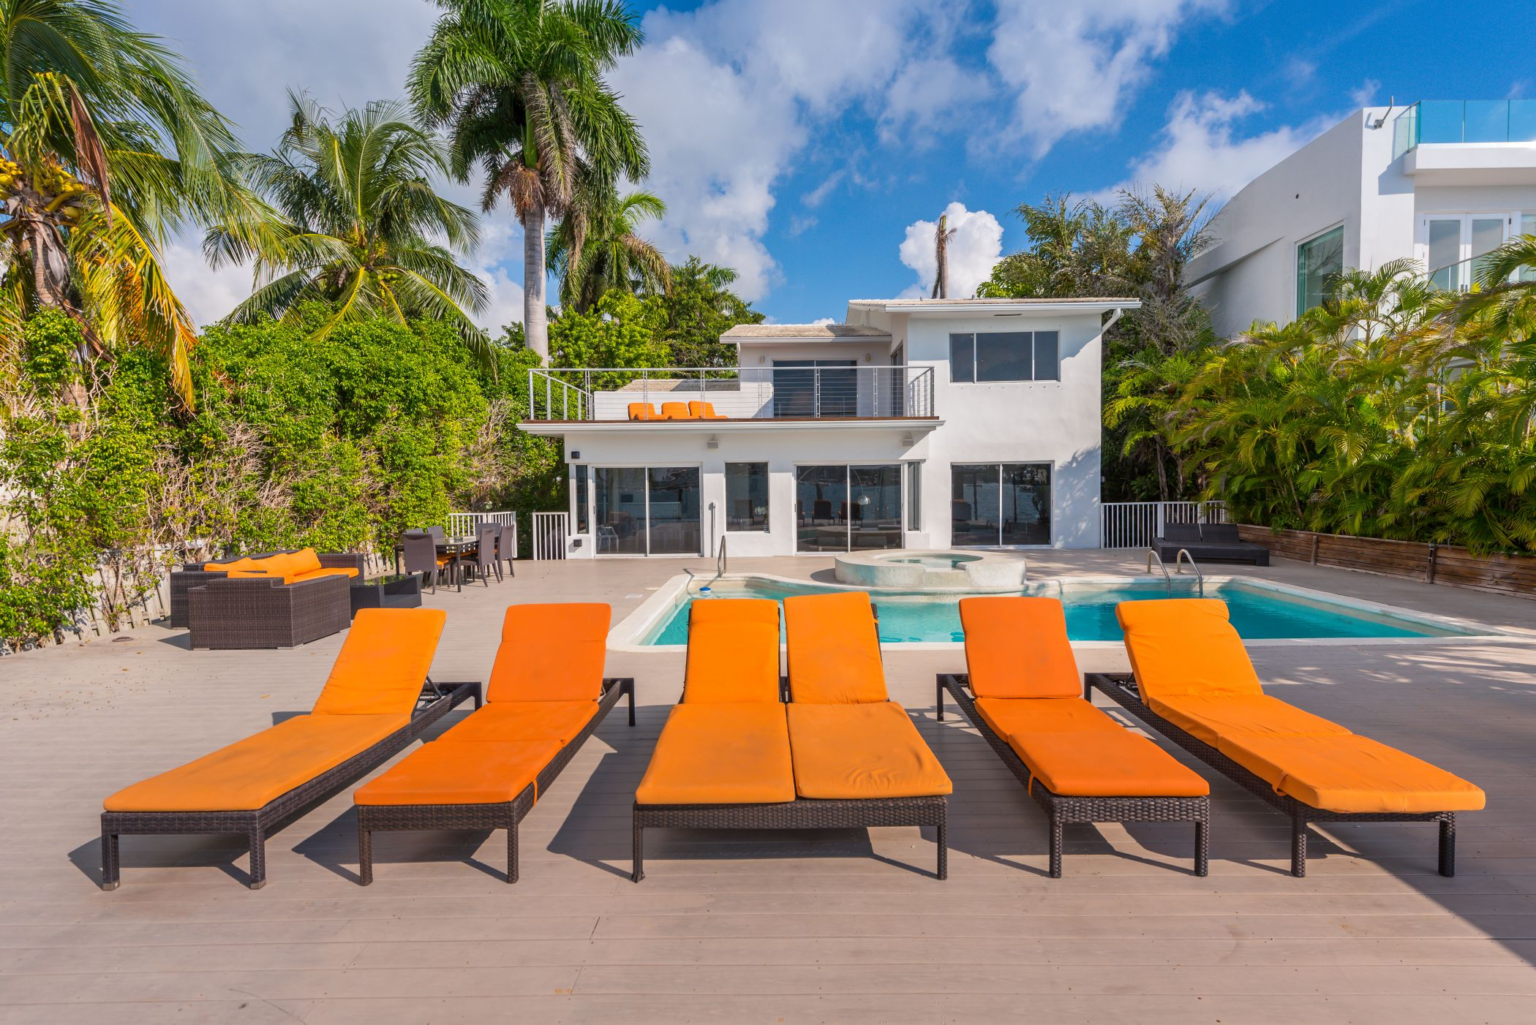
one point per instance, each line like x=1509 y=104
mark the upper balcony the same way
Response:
x=809 y=393
x=1468 y=141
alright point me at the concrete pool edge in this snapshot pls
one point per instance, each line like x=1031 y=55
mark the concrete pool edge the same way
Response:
x=628 y=635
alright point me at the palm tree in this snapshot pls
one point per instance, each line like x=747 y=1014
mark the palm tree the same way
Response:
x=108 y=148
x=942 y=234
x=362 y=220
x=613 y=254
x=519 y=85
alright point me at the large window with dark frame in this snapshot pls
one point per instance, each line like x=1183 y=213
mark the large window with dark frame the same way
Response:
x=1000 y=504
x=746 y=496
x=992 y=356
x=652 y=510
x=842 y=508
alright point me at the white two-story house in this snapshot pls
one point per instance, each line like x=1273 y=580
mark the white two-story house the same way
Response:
x=916 y=423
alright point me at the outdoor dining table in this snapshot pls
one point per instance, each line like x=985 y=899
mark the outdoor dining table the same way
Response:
x=454 y=546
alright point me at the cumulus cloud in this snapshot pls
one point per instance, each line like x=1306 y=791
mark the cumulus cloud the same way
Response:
x=974 y=250
x=925 y=96
x=1075 y=65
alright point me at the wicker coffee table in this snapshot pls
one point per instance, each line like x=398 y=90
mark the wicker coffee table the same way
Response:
x=394 y=591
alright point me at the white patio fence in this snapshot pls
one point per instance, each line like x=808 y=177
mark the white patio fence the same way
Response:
x=550 y=530
x=468 y=524
x=1136 y=524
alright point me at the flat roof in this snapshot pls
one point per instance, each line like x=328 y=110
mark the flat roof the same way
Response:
x=803 y=333
x=918 y=306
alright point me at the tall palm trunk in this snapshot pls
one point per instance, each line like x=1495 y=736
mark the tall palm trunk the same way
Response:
x=535 y=316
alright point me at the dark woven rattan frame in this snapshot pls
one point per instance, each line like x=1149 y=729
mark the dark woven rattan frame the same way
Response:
x=1122 y=688
x=261 y=612
x=393 y=817
x=436 y=701
x=183 y=580
x=1061 y=809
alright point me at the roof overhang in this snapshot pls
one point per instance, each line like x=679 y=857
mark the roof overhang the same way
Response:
x=1009 y=309
x=558 y=428
x=869 y=339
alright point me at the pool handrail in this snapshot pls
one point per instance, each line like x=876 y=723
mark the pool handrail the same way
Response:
x=1167 y=580
x=1178 y=567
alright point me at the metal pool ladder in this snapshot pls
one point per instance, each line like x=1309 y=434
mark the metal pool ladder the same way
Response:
x=1167 y=580
x=1178 y=567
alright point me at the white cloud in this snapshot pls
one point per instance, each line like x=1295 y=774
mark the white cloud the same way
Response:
x=926 y=96
x=1364 y=95
x=819 y=194
x=822 y=321
x=1199 y=150
x=1074 y=65
x=973 y=251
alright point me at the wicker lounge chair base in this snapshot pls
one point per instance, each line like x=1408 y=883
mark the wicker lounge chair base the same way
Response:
x=373 y=818
x=1062 y=810
x=1122 y=688
x=799 y=814
x=262 y=822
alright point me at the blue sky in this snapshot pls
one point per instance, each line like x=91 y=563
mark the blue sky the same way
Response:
x=804 y=141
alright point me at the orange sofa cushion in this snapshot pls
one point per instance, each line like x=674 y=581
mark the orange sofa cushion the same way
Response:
x=1043 y=715
x=1018 y=648
x=1185 y=646
x=252 y=772
x=383 y=662
x=524 y=720
x=1350 y=774
x=551 y=652
x=441 y=773
x=303 y=561
x=834 y=652
x=861 y=751
x=1208 y=718
x=721 y=754
x=1115 y=763
x=225 y=567
x=733 y=651
x=294 y=578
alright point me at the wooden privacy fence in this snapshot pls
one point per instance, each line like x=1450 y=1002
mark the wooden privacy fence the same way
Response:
x=1413 y=560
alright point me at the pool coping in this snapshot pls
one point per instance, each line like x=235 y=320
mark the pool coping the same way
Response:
x=627 y=635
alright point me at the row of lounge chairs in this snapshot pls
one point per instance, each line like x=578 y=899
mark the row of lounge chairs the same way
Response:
x=674 y=411
x=820 y=746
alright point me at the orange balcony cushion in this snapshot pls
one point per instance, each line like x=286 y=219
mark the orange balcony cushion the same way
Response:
x=383 y=662
x=1115 y=763
x=1185 y=646
x=551 y=652
x=525 y=720
x=1350 y=774
x=733 y=651
x=1043 y=715
x=642 y=411
x=1018 y=648
x=252 y=772
x=675 y=411
x=861 y=751
x=834 y=651
x=721 y=754
x=443 y=773
x=1208 y=718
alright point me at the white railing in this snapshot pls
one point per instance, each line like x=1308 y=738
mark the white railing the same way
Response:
x=550 y=530
x=468 y=524
x=1137 y=524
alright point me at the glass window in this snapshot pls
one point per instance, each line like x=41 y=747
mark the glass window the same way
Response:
x=673 y=510
x=583 y=525
x=1026 y=494
x=1317 y=262
x=620 y=510
x=1487 y=235
x=1000 y=504
x=1003 y=356
x=746 y=496
x=1047 y=356
x=874 y=507
x=914 y=496
x=962 y=358
x=1445 y=254
x=821 y=509
x=973 y=504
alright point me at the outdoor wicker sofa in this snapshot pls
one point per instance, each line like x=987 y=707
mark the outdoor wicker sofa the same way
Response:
x=1024 y=696
x=197 y=574
x=377 y=700
x=546 y=696
x=735 y=755
x=1208 y=542
x=1194 y=683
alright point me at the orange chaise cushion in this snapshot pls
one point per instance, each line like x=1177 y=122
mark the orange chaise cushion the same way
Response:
x=1043 y=715
x=721 y=754
x=383 y=662
x=441 y=773
x=1185 y=646
x=1208 y=718
x=1114 y=763
x=1351 y=774
x=524 y=720
x=733 y=651
x=1018 y=648
x=551 y=652
x=249 y=773
x=861 y=751
x=834 y=652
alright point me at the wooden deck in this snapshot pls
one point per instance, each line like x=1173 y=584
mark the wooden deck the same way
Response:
x=844 y=927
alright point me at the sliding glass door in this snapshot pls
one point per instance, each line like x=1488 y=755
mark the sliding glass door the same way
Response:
x=1000 y=504
x=647 y=510
x=838 y=508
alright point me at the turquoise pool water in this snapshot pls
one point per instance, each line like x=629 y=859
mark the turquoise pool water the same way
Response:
x=1090 y=611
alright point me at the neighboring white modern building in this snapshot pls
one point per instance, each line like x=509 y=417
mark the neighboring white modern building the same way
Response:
x=1441 y=182
x=918 y=423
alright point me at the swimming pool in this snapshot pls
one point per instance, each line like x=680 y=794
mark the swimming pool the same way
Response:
x=1259 y=612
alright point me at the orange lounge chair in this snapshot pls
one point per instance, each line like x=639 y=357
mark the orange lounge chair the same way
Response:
x=642 y=411
x=703 y=411
x=733 y=755
x=373 y=704
x=675 y=411
x=546 y=696
x=1023 y=694
x=1193 y=682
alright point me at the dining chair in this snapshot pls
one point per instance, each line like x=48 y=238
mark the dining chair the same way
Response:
x=421 y=556
x=485 y=554
x=504 y=553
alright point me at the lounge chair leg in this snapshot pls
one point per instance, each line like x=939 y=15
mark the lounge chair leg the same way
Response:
x=258 y=858
x=938 y=698
x=1202 y=848
x=364 y=856
x=1298 y=847
x=638 y=873
x=1448 y=845
x=110 y=874
x=630 y=686
x=1056 y=845
x=512 y=866
x=943 y=850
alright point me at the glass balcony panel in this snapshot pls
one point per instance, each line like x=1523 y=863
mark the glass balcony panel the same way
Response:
x=1522 y=120
x=1487 y=121
x=1441 y=121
